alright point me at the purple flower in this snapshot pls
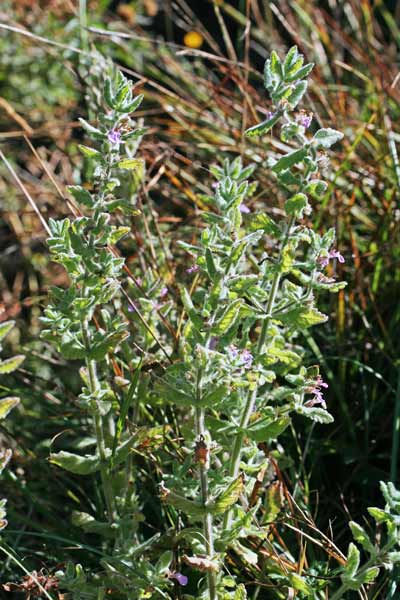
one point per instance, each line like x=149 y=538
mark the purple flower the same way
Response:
x=305 y=121
x=181 y=579
x=323 y=261
x=244 y=209
x=233 y=352
x=192 y=269
x=244 y=358
x=114 y=137
x=131 y=307
x=163 y=292
x=247 y=358
x=270 y=115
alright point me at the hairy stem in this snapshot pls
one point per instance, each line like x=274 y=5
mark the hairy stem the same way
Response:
x=98 y=426
x=208 y=520
x=252 y=395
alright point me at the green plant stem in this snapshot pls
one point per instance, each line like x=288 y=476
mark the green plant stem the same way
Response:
x=252 y=396
x=207 y=521
x=98 y=426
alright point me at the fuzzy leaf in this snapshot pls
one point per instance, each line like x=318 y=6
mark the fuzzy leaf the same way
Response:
x=191 y=311
x=81 y=195
x=89 y=524
x=240 y=593
x=325 y=138
x=300 y=73
x=80 y=465
x=353 y=561
x=228 y=318
x=368 y=576
x=289 y=160
x=361 y=536
x=264 y=126
x=6 y=406
x=11 y=364
x=90 y=152
x=320 y=415
x=5 y=328
x=299 y=583
x=296 y=205
x=263 y=430
x=228 y=497
x=131 y=164
x=301 y=317
x=189 y=507
x=297 y=94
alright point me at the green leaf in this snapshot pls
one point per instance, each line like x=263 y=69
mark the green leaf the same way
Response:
x=276 y=65
x=296 y=205
x=89 y=524
x=6 y=405
x=289 y=160
x=131 y=164
x=264 y=430
x=5 y=328
x=320 y=415
x=291 y=58
x=108 y=93
x=93 y=131
x=264 y=222
x=301 y=317
x=380 y=515
x=264 y=126
x=361 y=536
x=325 y=138
x=11 y=364
x=81 y=195
x=191 y=311
x=368 y=576
x=228 y=497
x=353 y=561
x=316 y=188
x=240 y=593
x=273 y=502
x=299 y=583
x=211 y=268
x=90 y=152
x=228 y=317
x=297 y=93
x=189 y=507
x=300 y=73
x=132 y=106
x=74 y=463
x=394 y=557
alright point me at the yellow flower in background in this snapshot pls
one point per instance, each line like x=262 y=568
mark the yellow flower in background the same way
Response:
x=193 y=39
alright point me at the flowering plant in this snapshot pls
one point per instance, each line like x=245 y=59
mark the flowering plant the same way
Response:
x=220 y=371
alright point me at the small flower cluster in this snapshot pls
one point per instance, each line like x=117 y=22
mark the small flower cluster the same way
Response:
x=323 y=260
x=316 y=390
x=241 y=359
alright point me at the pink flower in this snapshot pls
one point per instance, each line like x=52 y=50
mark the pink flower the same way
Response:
x=244 y=209
x=316 y=390
x=323 y=261
x=192 y=269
